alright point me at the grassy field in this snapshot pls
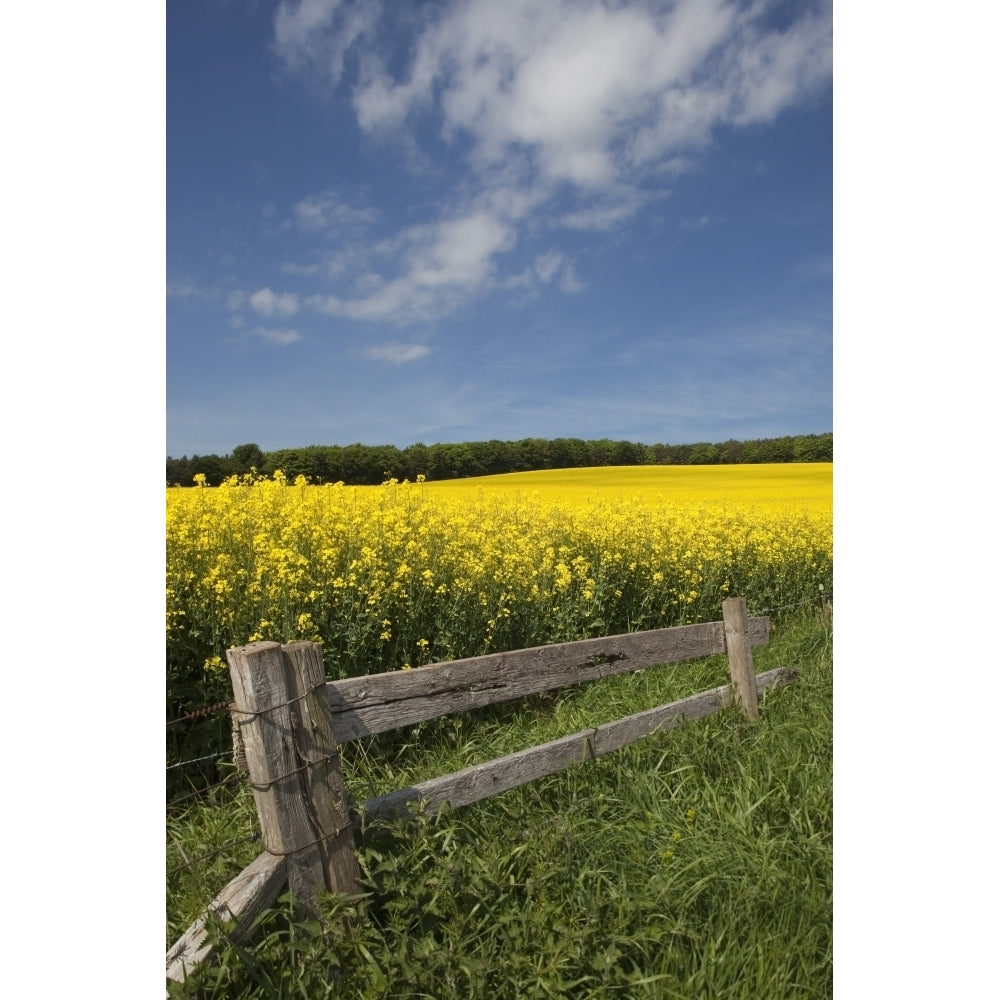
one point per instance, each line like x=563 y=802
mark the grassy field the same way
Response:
x=696 y=863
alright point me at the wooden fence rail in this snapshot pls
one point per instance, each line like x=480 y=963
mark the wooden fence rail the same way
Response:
x=291 y=721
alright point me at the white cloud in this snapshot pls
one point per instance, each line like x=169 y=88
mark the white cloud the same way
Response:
x=315 y=35
x=546 y=268
x=459 y=251
x=773 y=72
x=397 y=353
x=566 y=113
x=547 y=264
x=439 y=263
x=279 y=338
x=596 y=94
x=329 y=211
x=606 y=212
x=267 y=303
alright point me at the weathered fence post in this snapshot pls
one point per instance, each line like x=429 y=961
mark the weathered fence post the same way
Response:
x=734 y=617
x=285 y=745
x=325 y=792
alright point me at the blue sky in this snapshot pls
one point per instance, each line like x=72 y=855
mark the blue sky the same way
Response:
x=392 y=223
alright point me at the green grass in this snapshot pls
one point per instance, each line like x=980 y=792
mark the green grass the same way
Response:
x=696 y=863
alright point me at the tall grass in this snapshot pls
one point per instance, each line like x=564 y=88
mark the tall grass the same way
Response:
x=696 y=863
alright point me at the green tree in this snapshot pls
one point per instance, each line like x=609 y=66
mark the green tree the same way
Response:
x=212 y=467
x=813 y=448
x=568 y=453
x=777 y=450
x=704 y=454
x=627 y=453
x=179 y=472
x=414 y=462
x=246 y=457
x=493 y=457
x=731 y=452
x=530 y=454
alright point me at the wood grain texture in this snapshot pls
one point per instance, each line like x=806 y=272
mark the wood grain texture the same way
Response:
x=483 y=780
x=263 y=696
x=322 y=781
x=737 y=630
x=377 y=703
x=254 y=889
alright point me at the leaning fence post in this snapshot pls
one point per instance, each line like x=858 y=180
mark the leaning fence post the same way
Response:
x=268 y=714
x=737 y=629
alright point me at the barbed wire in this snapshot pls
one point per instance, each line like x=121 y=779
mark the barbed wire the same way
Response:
x=198 y=760
x=201 y=713
x=228 y=706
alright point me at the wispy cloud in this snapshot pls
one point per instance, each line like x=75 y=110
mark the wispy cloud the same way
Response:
x=701 y=222
x=181 y=289
x=546 y=268
x=184 y=288
x=437 y=263
x=329 y=211
x=267 y=303
x=569 y=282
x=315 y=35
x=300 y=270
x=567 y=114
x=277 y=338
x=397 y=353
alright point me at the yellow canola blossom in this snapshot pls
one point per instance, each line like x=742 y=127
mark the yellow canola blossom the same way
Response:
x=411 y=573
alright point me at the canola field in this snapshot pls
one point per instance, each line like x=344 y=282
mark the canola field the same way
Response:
x=404 y=574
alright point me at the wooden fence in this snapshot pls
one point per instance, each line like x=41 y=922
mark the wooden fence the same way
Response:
x=290 y=722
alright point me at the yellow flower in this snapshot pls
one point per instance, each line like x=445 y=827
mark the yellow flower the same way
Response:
x=371 y=571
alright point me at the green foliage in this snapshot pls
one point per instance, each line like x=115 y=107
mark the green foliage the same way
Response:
x=369 y=465
x=694 y=864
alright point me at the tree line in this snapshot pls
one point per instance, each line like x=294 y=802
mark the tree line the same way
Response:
x=369 y=465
